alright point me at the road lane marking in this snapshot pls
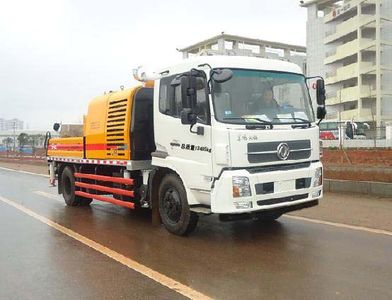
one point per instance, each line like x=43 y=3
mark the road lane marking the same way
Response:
x=131 y=264
x=24 y=172
x=48 y=195
x=341 y=225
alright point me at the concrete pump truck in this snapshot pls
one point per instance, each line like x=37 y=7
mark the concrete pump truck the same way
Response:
x=234 y=136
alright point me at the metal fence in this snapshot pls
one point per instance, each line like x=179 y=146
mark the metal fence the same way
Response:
x=368 y=137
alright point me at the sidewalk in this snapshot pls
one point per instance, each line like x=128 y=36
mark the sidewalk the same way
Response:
x=352 y=209
x=40 y=167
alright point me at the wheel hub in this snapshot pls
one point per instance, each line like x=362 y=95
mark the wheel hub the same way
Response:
x=172 y=205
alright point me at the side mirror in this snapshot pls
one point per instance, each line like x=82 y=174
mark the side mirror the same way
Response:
x=320 y=92
x=221 y=75
x=188 y=85
x=321 y=112
x=188 y=117
x=56 y=126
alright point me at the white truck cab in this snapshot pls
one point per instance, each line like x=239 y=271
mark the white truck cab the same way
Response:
x=238 y=137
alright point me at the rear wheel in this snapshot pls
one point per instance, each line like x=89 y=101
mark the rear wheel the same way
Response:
x=173 y=206
x=68 y=183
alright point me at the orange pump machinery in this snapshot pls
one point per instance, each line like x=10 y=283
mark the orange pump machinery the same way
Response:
x=118 y=125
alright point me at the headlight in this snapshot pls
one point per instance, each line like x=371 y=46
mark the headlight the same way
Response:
x=318 y=177
x=241 y=187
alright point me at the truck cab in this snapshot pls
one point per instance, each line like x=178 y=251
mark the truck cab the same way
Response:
x=238 y=135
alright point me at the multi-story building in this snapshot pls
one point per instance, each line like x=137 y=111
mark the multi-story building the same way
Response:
x=8 y=125
x=350 y=43
x=226 y=44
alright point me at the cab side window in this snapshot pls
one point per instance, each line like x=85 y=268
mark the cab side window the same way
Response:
x=202 y=104
x=177 y=102
x=166 y=104
x=170 y=102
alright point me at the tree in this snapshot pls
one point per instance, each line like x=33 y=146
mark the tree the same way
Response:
x=23 y=139
x=7 y=143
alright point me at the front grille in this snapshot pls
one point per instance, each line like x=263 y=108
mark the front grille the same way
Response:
x=282 y=199
x=267 y=152
x=285 y=167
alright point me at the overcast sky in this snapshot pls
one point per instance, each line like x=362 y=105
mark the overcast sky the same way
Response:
x=55 y=55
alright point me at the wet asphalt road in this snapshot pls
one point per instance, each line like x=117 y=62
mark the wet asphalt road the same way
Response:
x=288 y=259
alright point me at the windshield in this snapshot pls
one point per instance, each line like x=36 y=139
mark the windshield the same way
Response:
x=253 y=96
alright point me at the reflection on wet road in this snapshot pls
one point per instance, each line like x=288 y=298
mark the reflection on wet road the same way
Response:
x=286 y=259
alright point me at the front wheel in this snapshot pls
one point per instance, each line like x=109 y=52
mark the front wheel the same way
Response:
x=173 y=206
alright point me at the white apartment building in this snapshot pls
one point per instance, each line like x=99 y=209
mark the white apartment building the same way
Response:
x=227 y=44
x=8 y=125
x=350 y=44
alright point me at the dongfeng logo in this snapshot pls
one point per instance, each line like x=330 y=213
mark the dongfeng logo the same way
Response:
x=283 y=151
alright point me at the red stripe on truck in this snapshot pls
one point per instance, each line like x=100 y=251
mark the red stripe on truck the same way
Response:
x=68 y=147
x=79 y=147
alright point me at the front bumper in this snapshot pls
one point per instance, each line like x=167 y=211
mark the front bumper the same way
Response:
x=286 y=190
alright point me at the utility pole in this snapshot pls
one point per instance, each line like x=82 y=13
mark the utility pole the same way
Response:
x=14 y=127
x=340 y=135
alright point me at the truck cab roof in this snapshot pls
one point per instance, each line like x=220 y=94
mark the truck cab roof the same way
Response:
x=235 y=62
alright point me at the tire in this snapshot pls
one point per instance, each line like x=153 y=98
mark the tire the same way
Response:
x=68 y=184
x=173 y=207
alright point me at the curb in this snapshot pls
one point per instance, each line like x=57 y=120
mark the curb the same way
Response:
x=381 y=189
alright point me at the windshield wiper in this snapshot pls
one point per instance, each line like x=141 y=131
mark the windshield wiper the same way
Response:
x=303 y=121
x=265 y=123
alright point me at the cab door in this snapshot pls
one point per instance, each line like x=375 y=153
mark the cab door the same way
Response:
x=184 y=149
